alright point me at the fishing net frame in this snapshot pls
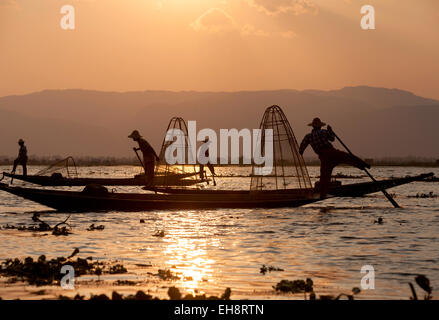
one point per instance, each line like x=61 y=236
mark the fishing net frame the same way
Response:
x=289 y=170
x=71 y=170
x=176 y=175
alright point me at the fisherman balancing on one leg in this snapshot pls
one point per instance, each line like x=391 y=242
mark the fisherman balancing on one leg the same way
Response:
x=320 y=141
x=149 y=155
x=203 y=174
x=22 y=158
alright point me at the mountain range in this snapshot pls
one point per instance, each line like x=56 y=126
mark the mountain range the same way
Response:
x=373 y=122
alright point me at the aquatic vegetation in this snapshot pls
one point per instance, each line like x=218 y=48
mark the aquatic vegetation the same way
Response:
x=60 y=229
x=117 y=269
x=295 y=286
x=426 y=195
x=355 y=291
x=47 y=272
x=264 y=269
x=167 y=275
x=379 y=221
x=424 y=283
x=93 y=227
x=124 y=283
x=159 y=233
x=175 y=294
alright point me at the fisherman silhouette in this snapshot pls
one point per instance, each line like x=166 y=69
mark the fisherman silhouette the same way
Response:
x=22 y=158
x=203 y=174
x=320 y=141
x=149 y=155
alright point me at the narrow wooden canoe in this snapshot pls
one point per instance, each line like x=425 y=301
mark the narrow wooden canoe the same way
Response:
x=60 y=181
x=102 y=200
x=71 y=201
x=349 y=190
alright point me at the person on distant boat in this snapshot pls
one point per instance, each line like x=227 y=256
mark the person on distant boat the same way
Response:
x=320 y=141
x=203 y=174
x=22 y=158
x=149 y=155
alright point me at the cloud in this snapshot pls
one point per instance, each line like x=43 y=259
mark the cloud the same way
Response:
x=215 y=20
x=273 y=7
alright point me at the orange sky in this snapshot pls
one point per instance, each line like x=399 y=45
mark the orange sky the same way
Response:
x=218 y=45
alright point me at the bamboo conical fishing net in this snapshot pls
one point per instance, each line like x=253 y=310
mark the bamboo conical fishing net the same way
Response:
x=179 y=175
x=289 y=170
x=66 y=166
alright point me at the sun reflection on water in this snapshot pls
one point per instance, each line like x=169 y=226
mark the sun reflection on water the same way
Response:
x=190 y=261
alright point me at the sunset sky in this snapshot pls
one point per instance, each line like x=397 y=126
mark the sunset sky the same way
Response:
x=218 y=45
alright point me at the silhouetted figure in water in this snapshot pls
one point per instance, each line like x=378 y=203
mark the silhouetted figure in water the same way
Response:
x=149 y=155
x=203 y=174
x=320 y=141
x=22 y=158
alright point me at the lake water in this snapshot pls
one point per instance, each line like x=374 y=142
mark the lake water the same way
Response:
x=211 y=250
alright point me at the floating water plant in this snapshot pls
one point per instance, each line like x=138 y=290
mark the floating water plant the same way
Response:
x=424 y=283
x=264 y=269
x=47 y=272
x=295 y=286
x=93 y=227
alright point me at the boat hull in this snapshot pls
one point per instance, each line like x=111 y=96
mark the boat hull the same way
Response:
x=100 y=200
x=49 y=181
x=350 y=190
x=71 y=201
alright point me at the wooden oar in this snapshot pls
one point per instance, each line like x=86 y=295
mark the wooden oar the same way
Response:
x=388 y=196
x=140 y=160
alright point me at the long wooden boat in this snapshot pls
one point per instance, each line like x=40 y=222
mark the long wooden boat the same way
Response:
x=349 y=190
x=139 y=180
x=99 y=199
x=102 y=200
x=364 y=188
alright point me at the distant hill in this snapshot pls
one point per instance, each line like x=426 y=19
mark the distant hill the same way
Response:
x=375 y=122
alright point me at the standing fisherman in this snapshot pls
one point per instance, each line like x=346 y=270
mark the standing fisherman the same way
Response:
x=320 y=140
x=22 y=158
x=203 y=173
x=149 y=155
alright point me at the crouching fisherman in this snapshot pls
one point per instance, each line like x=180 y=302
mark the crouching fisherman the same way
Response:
x=22 y=158
x=320 y=141
x=149 y=156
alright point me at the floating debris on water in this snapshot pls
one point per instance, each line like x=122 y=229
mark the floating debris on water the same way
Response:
x=264 y=269
x=425 y=195
x=46 y=272
x=60 y=229
x=167 y=275
x=124 y=283
x=422 y=281
x=295 y=286
x=93 y=227
x=379 y=221
x=175 y=294
x=159 y=233
x=355 y=291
